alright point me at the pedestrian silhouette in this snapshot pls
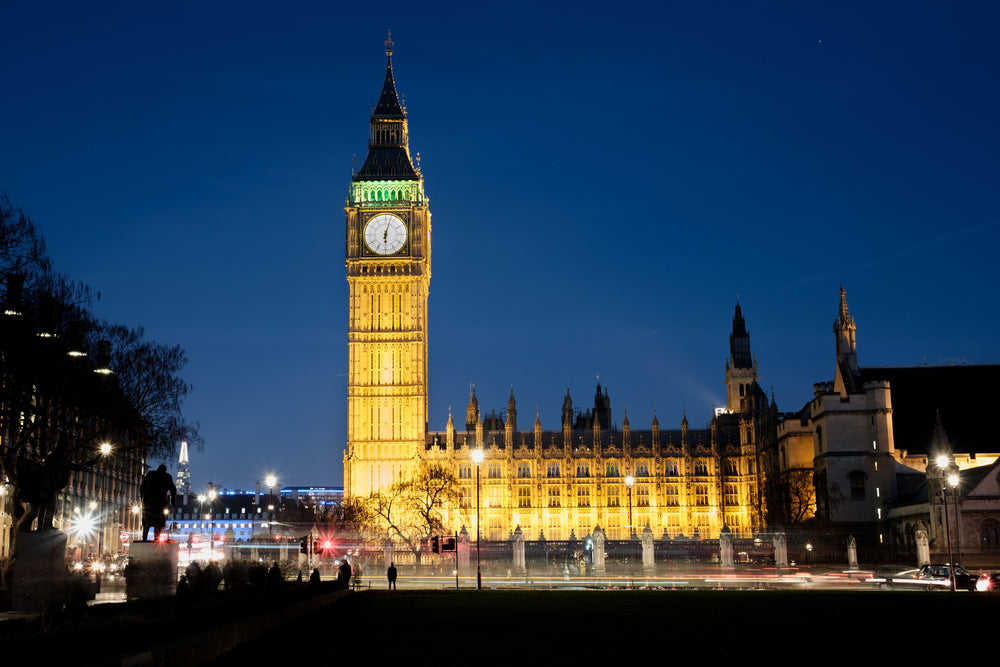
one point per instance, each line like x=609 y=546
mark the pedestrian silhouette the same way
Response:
x=392 y=576
x=344 y=574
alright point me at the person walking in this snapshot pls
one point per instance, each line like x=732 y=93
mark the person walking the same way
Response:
x=344 y=573
x=392 y=576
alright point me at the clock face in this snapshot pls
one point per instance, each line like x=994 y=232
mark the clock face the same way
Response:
x=385 y=234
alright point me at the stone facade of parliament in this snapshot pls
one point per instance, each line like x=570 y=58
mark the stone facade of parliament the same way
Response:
x=857 y=455
x=553 y=483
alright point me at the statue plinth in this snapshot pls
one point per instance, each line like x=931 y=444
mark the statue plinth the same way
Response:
x=39 y=572
x=151 y=570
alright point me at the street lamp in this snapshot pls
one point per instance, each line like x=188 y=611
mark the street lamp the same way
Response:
x=943 y=463
x=135 y=519
x=212 y=494
x=105 y=451
x=201 y=506
x=271 y=480
x=629 y=481
x=477 y=456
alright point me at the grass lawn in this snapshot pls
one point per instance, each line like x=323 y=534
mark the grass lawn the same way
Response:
x=773 y=627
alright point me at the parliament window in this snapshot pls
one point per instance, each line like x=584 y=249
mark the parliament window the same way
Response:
x=553 y=470
x=583 y=470
x=524 y=470
x=613 y=496
x=555 y=496
x=642 y=469
x=524 y=496
x=611 y=470
x=583 y=496
x=494 y=471
x=671 y=492
x=642 y=495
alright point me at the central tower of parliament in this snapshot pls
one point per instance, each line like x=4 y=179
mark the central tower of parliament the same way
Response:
x=556 y=483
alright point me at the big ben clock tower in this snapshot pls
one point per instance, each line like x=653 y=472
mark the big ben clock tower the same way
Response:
x=388 y=273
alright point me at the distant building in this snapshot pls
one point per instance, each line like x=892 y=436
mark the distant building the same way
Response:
x=318 y=497
x=183 y=481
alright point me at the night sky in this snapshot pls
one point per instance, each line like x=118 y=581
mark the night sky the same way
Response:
x=605 y=179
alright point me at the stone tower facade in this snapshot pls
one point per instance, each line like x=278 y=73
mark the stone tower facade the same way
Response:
x=741 y=367
x=388 y=243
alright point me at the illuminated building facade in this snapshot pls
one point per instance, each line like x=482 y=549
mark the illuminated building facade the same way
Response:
x=388 y=272
x=556 y=483
x=183 y=480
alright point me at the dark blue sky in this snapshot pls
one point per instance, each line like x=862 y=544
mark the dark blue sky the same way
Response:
x=604 y=178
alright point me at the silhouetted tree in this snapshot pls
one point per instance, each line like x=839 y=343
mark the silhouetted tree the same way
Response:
x=63 y=391
x=411 y=510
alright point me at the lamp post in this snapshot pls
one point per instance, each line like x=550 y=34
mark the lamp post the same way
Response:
x=105 y=451
x=201 y=506
x=953 y=481
x=271 y=480
x=212 y=494
x=99 y=525
x=943 y=464
x=135 y=520
x=629 y=481
x=477 y=456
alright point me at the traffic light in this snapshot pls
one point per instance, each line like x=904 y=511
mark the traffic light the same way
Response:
x=304 y=545
x=449 y=544
x=436 y=544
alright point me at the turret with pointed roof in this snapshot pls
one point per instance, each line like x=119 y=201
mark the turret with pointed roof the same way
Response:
x=388 y=144
x=741 y=366
x=844 y=329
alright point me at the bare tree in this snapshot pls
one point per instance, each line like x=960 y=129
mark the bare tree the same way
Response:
x=149 y=375
x=62 y=392
x=412 y=510
x=800 y=497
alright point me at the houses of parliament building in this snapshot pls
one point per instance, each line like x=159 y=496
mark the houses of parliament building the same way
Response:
x=555 y=483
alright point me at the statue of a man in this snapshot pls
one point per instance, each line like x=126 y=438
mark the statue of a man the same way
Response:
x=158 y=492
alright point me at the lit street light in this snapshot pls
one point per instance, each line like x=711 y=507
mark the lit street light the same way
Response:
x=629 y=481
x=271 y=480
x=477 y=456
x=212 y=495
x=951 y=479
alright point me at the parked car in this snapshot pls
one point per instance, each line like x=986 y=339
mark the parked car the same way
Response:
x=988 y=582
x=938 y=575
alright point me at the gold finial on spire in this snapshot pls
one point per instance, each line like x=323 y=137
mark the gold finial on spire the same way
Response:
x=388 y=43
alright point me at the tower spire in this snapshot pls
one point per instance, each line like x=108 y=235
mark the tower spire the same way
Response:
x=844 y=330
x=741 y=367
x=183 y=470
x=388 y=142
